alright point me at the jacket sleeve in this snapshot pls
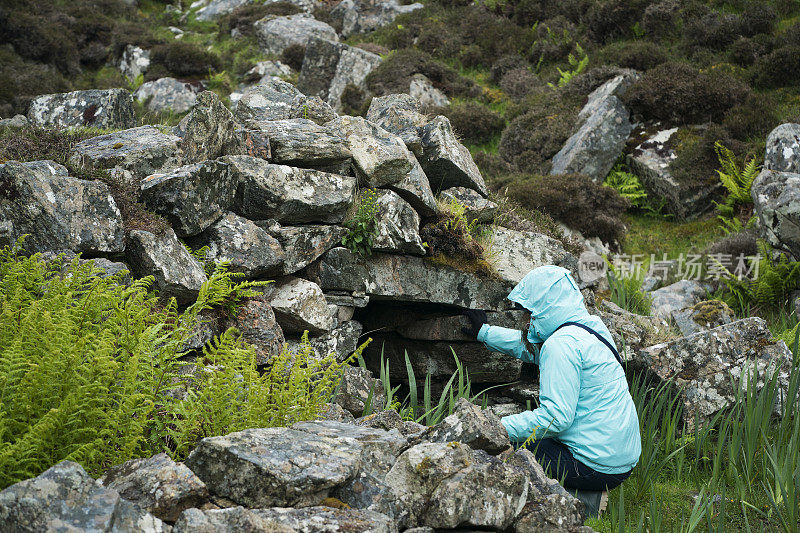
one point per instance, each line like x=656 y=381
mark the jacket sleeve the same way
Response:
x=505 y=340
x=559 y=381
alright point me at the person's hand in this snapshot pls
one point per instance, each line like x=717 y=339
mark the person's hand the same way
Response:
x=477 y=318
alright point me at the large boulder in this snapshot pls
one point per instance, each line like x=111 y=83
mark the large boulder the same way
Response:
x=415 y=189
x=405 y=278
x=515 y=253
x=228 y=520
x=177 y=273
x=329 y=67
x=446 y=161
x=677 y=296
x=209 y=131
x=276 y=34
x=256 y=322
x=157 y=485
x=396 y=226
x=629 y=330
x=341 y=341
x=783 y=149
x=166 y=94
x=422 y=88
x=96 y=108
x=304 y=244
x=702 y=316
x=192 y=197
x=289 y=195
x=66 y=498
x=479 y=428
x=216 y=8
x=400 y=114
x=599 y=141
x=141 y=151
x=708 y=368
x=275 y=99
x=300 y=305
x=776 y=198
x=56 y=211
x=353 y=17
x=303 y=143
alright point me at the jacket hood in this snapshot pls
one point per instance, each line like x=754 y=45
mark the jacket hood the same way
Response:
x=552 y=296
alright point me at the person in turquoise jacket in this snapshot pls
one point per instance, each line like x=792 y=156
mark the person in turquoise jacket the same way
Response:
x=585 y=429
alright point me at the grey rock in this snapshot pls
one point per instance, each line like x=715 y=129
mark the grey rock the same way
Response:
x=209 y=131
x=629 y=330
x=707 y=368
x=300 y=305
x=336 y=413
x=134 y=62
x=379 y=157
x=192 y=197
x=157 y=485
x=302 y=142
x=363 y=16
x=479 y=428
x=305 y=244
x=177 y=273
x=329 y=520
x=777 y=203
x=141 y=151
x=783 y=149
x=515 y=253
x=358 y=388
x=390 y=419
x=400 y=114
x=405 y=278
x=597 y=144
x=275 y=466
x=264 y=71
x=96 y=108
x=616 y=86
x=702 y=316
x=446 y=162
x=477 y=208
x=166 y=94
x=57 y=212
x=256 y=322
x=249 y=249
x=230 y=520
x=66 y=498
x=341 y=341
x=329 y=67
x=289 y=195
x=415 y=189
x=397 y=226
x=17 y=121
x=421 y=88
x=684 y=293
x=275 y=99
x=312 y=108
x=275 y=34
x=216 y=8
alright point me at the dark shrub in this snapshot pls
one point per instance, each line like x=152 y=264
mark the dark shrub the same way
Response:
x=181 y=60
x=471 y=56
x=242 y=18
x=744 y=52
x=450 y=242
x=714 y=31
x=638 y=55
x=555 y=40
x=756 y=117
x=374 y=48
x=474 y=123
x=736 y=244
x=491 y=165
x=575 y=200
x=583 y=84
x=506 y=64
x=680 y=94
x=697 y=161
x=393 y=75
x=21 y=80
x=40 y=38
x=778 y=69
x=293 y=56
x=787 y=8
x=528 y=12
x=519 y=83
x=660 y=20
x=439 y=40
x=610 y=19
x=354 y=101
x=758 y=17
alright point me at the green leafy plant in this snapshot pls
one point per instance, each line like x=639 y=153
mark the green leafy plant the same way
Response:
x=362 y=225
x=135 y=83
x=737 y=182
x=627 y=292
x=578 y=63
x=628 y=185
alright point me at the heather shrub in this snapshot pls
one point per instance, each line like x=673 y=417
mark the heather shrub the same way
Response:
x=661 y=19
x=520 y=83
x=506 y=64
x=21 y=80
x=243 y=17
x=181 y=60
x=474 y=123
x=491 y=165
x=758 y=17
x=293 y=56
x=611 y=19
x=744 y=52
x=637 y=55
x=555 y=39
x=697 y=161
x=714 y=31
x=394 y=74
x=680 y=94
x=584 y=83
x=736 y=244
x=754 y=118
x=778 y=68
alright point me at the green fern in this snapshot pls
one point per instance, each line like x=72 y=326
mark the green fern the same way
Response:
x=630 y=187
x=737 y=181
x=578 y=63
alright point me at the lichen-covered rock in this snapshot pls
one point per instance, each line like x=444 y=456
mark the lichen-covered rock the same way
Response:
x=304 y=143
x=134 y=62
x=57 y=212
x=629 y=330
x=776 y=199
x=390 y=419
x=304 y=244
x=17 y=121
x=329 y=520
x=357 y=389
x=446 y=161
x=704 y=315
x=96 y=108
x=415 y=189
x=518 y=252
x=270 y=100
x=405 y=278
x=708 y=367
x=341 y=341
x=66 y=498
x=300 y=305
x=674 y=297
x=264 y=71
x=275 y=466
x=192 y=197
x=363 y=16
x=256 y=322
x=230 y=520
x=216 y=8
x=783 y=149
x=276 y=34
x=209 y=131
x=289 y=195
x=616 y=86
x=479 y=428
x=397 y=226
x=329 y=67
x=336 y=413
x=166 y=94
x=421 y=88
x=177 y=273
x=594 y=148
x=141 y=151
x=476 y=207
x=157 y=485
x=400 y=114
x=248 y=248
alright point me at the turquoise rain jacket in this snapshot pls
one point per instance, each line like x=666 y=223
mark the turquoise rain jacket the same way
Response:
x=584 y=400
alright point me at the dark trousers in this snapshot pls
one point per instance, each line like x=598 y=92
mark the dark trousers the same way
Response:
x=559 y=463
